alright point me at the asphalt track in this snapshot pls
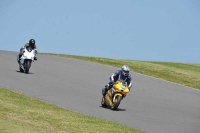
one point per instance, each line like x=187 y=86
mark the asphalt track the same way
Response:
x=153 y=105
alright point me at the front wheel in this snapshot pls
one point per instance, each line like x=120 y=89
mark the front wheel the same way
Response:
x=26 y=70
x=116 y=102
x=27 y=66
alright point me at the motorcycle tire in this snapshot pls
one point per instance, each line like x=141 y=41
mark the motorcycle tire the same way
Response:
x=116 y=102
x=27 y=66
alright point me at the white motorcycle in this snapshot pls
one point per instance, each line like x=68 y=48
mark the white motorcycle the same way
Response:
x=26 y=60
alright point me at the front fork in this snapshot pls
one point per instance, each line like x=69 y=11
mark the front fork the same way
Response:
x=115 y=95
x=25 y=64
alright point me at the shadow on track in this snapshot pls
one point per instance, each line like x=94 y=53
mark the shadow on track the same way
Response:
x=118 y=109
x=23 y=72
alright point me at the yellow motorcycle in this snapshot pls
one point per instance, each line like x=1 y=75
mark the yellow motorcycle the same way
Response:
x=114 y=95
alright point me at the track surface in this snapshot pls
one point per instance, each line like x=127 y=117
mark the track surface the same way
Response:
x=153 y=105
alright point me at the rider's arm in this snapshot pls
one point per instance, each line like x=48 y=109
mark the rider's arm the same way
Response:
x=129 y=82
x=35 y=47
x=130 y=85
x=22 y=49
x=114 y=76
x=26 y=45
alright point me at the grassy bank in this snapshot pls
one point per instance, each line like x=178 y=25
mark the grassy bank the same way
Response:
x=182 y=73
x=21 y=114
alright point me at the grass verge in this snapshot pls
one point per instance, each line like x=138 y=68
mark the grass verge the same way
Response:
x=21 y=114
x=181 y=73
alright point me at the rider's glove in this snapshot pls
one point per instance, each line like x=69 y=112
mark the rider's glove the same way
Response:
x=36 y=51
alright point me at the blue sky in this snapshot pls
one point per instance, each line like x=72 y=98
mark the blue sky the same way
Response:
x=130 y=29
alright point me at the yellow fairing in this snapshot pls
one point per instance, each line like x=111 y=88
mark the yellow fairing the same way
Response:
x=121 y=87
x=114 y=100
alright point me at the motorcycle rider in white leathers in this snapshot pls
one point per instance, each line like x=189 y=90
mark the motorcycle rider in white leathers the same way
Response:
x=30 y=44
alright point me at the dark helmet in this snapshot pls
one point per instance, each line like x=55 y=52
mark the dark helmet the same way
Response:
x=125 y=70
x=32 y=43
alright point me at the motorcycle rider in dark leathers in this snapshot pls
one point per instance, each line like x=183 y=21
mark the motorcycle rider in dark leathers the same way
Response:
x=122 y=75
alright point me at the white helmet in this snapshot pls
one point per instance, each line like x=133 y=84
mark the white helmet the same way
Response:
x=125 y=70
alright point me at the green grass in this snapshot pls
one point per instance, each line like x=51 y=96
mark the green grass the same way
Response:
x=21 y=114
x=181 y=73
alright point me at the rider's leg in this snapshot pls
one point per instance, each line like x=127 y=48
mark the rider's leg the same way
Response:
x=106 y=88
x=20 y=54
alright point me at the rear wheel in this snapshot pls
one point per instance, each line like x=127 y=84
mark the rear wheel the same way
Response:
x=116 y=102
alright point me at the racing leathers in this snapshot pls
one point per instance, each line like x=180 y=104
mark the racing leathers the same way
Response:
x=117 y=76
